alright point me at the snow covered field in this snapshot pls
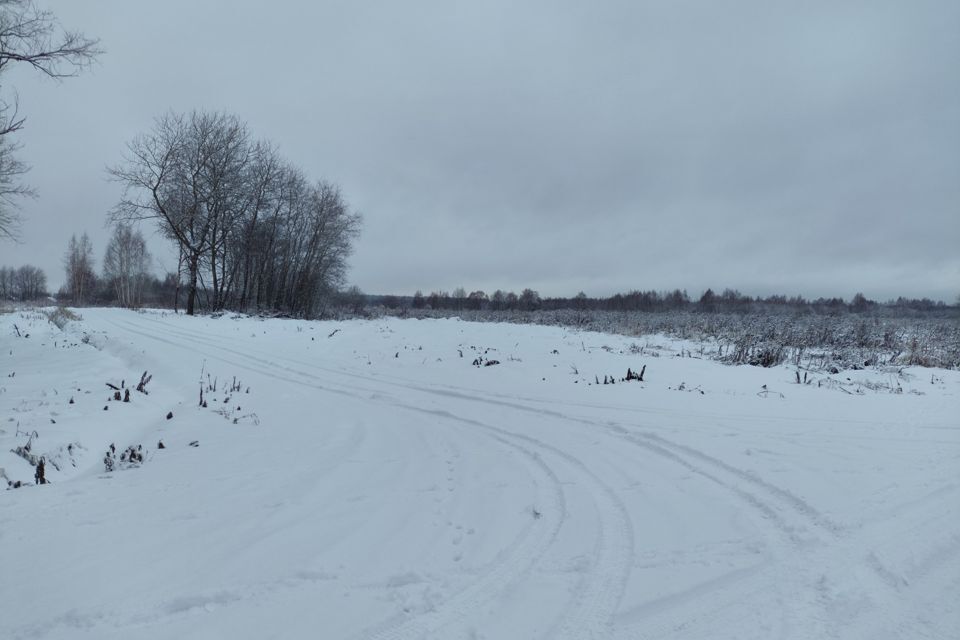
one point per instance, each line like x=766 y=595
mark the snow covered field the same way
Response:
x=366 y=480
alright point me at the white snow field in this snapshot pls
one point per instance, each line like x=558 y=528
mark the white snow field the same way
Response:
x=366 y=481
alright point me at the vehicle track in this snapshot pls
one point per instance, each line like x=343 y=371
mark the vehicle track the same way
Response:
x=840 y=551
x=510 y=567
x=688 y=457
x=597 y=597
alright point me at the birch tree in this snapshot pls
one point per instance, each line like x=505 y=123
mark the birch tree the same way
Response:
x=126 y=265
x=78 y=265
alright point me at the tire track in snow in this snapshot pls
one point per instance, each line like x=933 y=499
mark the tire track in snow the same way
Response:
x=652 y=443
x=811 y=571
x=797 y=503
x=810 y=566
x=817 y=583
x=511 y=567
x=767 y=511
x=842 y=547
x=597 y=598
x=685 y=457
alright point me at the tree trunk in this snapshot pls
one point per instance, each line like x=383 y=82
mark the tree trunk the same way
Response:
x=194 y=267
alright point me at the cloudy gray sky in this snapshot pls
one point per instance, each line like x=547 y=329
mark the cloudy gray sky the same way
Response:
x=794 y=147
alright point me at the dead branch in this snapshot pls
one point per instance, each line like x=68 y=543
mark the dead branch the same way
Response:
x=142 y=386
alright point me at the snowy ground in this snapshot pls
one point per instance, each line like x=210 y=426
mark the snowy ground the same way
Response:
x=366 y=481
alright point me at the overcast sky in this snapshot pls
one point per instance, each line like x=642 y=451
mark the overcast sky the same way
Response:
x=772 y=147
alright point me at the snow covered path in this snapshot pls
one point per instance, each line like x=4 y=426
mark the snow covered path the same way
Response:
x=374 y=484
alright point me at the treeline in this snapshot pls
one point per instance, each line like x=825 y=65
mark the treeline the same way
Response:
x=153 y=291
x=126 y=277
x=29 y=284
x=22 y=284
x=729 y=301
x=253 y=233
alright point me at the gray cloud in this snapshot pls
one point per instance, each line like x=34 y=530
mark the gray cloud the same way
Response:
x=774 y=147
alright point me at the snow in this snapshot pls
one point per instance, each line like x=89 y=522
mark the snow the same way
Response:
x=373 y=483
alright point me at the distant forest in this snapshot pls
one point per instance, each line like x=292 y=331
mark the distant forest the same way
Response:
x=127 y=282
x=729 y=301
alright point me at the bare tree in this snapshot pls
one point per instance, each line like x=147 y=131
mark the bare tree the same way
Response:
x=251 y=229
x=257 y=235
x=78 y=265
x=459 y=296
x=176 y=175
x=11 y=189
x=529 y=300
x=31 y=36
x=126 y=264
x=31 y=283
x=313 y=239
x=6 y=284
x=477 y=299
x=418 y=300
x=497 y=300
x=353 y=299
x=24 y=284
